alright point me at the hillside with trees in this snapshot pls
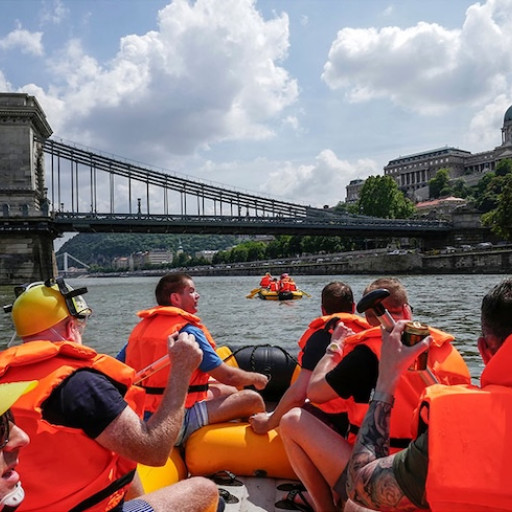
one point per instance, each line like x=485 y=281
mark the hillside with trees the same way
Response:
x=98 y=249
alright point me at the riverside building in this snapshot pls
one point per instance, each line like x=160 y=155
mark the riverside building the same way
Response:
x=413 y=172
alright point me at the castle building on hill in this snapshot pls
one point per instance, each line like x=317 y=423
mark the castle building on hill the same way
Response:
x=413 y=172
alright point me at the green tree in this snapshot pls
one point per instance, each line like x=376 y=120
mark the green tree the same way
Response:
x=343 y=207
x=380 y=197
x=460 y=189
x=499 y=219
x=256 y=251
x=488 y=191
x=439 y=185
x=504 y=167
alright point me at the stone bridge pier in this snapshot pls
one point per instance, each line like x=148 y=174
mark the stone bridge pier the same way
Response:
x=26 y=228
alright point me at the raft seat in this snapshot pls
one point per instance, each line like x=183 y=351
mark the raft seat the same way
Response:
x=154 y=478
x=234 y=446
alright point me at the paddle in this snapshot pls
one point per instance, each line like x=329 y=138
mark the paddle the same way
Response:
x=306 y=293
x=224 y=353
x=253 y=293
x=154 y=367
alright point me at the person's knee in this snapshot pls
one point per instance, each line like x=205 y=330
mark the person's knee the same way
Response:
x=199 y=493
x=204 y=486
x=208 y=490
x=290 y=421
x=252 y=399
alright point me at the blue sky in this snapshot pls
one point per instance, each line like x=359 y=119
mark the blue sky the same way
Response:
x=290 y=98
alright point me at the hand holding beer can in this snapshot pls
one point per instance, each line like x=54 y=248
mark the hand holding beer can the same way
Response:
x=413 y=333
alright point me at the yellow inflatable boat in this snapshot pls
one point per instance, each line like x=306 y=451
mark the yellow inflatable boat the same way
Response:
x=266 y=294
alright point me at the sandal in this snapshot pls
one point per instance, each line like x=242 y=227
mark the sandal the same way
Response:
x=227 y=497
x=291 y=486
x=289 y=502
x=225 y=478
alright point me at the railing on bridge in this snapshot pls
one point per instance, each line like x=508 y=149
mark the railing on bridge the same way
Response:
x=102 y=184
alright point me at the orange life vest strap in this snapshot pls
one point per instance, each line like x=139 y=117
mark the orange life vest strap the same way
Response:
x=105 y=493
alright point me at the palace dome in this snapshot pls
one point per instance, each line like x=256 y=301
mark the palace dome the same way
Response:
x=508 y=114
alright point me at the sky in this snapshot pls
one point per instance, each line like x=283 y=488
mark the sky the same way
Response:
x=288 y=98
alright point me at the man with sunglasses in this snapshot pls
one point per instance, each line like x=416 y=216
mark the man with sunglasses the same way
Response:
x=84 y=417
x=12 y=439
x=460 y=458
x=349 y=370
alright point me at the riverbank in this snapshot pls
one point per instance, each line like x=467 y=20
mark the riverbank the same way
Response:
x=495 y=260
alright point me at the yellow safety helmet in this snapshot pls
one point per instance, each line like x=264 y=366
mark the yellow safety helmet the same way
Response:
x=40 y=306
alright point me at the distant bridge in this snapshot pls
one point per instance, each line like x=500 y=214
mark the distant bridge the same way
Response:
x=65 y=257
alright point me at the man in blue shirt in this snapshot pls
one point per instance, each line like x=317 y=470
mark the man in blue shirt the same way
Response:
x=206 y=402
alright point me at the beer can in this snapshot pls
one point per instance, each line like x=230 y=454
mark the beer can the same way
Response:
x=413 y=333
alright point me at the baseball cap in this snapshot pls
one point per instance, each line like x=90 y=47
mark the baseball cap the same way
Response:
x=11 y=391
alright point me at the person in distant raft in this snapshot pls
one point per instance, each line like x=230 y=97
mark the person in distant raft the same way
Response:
x=274 y=285
x=177 y=300
x=285 y=283
x=265 y=280
x=84 y=416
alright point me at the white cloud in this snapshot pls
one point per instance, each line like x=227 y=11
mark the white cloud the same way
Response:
x=426 y=68
x=210 y=73
x=388 y=11
x=54 y=12
x=486 y=123
x=318 y=184
x=27 y=42
x=4 y=84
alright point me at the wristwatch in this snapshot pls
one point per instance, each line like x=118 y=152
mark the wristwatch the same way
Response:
x=333 y=348
x=380 y=396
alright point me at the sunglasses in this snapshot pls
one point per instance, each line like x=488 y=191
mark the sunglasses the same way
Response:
x=5 y=429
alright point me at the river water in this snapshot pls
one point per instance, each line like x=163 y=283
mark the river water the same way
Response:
x=448 y=302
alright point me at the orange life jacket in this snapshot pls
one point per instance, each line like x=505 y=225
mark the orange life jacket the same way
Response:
x=96 y=479
x=469 y=450
x=148 y=343
x=285 y=285
x=265 y=281
x=444 y=361
x=328 y=322
x=273 y=286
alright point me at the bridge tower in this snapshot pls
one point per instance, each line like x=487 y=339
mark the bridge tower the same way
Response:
x=26 y=234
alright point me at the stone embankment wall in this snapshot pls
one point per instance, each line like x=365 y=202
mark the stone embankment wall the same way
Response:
x=476 y=262
x=492 y=262
x=496 y=261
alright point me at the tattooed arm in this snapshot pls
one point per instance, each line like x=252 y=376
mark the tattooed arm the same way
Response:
x=371 y=481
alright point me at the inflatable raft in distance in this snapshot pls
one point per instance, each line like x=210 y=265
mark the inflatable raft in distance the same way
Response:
x=266 y=294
